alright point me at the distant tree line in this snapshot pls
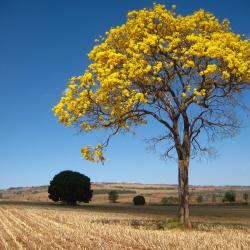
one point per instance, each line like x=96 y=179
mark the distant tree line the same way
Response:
x=72 y=187
x=119 y=191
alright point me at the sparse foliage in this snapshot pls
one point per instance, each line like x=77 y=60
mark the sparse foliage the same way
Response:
x=199 y=199
x=214 y=198
x=229 y=196
x=245 y=197
x=169 y=200
x=70 y=187
x=113 y=196
x=185 y=72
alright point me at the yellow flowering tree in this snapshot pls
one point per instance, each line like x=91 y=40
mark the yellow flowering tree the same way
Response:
x=186 y=72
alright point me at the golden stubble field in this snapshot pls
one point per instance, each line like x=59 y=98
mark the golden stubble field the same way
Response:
x=45 y=226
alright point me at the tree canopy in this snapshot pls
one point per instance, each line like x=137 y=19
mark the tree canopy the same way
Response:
x=229 y=196
x=163 y=65
x=70 y=187
x=113 y=196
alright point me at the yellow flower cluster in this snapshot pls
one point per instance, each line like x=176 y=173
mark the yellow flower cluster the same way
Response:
x=225 y=75
x=94 y=155
x=132 y=59
x=209 y=70
x=202 y=92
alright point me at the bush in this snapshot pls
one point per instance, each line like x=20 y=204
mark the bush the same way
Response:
x=139 y=200
x=70 y=187
x=169 y=200
x=245 y=197
x=199 y=199
x=1 y=195
x=18 y=192
x=113 y=196
x=229 y=196
x=214 y=198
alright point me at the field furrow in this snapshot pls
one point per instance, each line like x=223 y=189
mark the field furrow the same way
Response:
x=53 y=228
x=9 y=232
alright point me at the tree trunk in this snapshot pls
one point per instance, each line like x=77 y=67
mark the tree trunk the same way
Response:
x=183 y=191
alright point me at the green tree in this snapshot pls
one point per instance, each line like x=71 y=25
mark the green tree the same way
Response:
x=245 y=197
x=139 y=200
x=113 y=196
x=169 y=200
x=70 y=187
x=199 y=199
x=213 y=198
x=229 y=196
x=185 y=72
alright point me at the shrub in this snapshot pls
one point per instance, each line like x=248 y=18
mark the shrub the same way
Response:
x=169 y=200
x=1 y=195
x=18 y=192
x=139 y=200
x=164 y=200
x=199 y=199
x=245 y=197
x=70 y=187
x=229 y=196
x=113 y=196
x=214 y=198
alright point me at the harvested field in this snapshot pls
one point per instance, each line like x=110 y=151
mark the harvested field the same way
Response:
x=24 y=226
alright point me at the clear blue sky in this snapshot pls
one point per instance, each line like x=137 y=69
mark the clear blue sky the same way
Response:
x=42 y=44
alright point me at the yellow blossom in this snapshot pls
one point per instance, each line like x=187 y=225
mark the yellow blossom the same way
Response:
x=136 y=64
x=225 y=75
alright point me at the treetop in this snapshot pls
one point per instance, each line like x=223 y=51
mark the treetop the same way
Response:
x=162 y=65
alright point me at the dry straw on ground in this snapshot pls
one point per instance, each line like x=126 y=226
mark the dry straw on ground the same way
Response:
x=44 y=228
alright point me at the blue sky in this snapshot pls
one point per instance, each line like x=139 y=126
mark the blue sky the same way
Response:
x=43 y=44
